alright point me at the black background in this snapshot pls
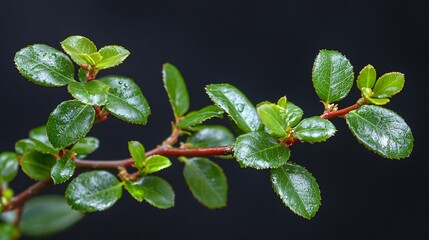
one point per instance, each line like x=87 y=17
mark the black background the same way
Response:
x=266 y=49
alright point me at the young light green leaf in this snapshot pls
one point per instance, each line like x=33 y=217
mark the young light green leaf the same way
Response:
x=135 y=189
x=37 y=165
x=197 y=117
x=236 y=104
x=137 y=152
x=8 y=166
x=293 y=114
x=47 y=215
x=63 y=169
x=382 y=131
x=176 y=89
x=75 y=46
x=297 y=188
x=211 y=136
x=39 y=137
x=282 y=102
x=377 y=101
x=112 y=56
x=69 y=122
x=24 y=146
x=155 y=163
x=44 y=65
x=367 y=77
x=93 y=191
x=332 y=76
x=8 y=231
x=91 y=93
x=388 y=85
x=157 y=192
x=259 y=150
x=314 y=129
x=86 y=145
x=273 y=117
x=206 y=181
x=125 y=100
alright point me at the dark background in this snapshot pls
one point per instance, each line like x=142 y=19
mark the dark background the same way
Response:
x=266 y=49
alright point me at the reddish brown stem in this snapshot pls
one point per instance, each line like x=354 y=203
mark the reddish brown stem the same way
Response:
x=34 y=189
x=165 y=151
x=344 y=111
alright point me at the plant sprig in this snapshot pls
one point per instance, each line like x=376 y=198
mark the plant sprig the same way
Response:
x=264 y=136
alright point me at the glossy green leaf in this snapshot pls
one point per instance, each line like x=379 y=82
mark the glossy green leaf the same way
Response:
x=86 y=145
x=157 y=192
x=236 y=104
x=382 y=131
x=8 y=166
x=135 y=189
x=155 y=163
x=314 y=129
x=211 y=136
x=273 y=117
x=259 y=150
x=332 y=76
x=367 y=77
x=125 y=100
x=138 y=153
x=293 y=114
x=112 y=56
x=63 y=169
x=47 y=215
x=388 y=85
x=69 y=122
x=176 y=89
x=82 y=75
x=24 y=146
x=75 y=46
x=206 y=181
x=44 y=65
x=197 y=117
x=93 y=191
x=39 y=137
x=297 y=188
x=37 y=165
x=91 y=93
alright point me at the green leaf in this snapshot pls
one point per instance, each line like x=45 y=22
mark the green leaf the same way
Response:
x=236 y=104
x=93 y=191
x=44 y=65
x=37 y=165
x=157 y=192
x=24 y=146
x=273 y=117
x=282 y=102
x=259 y=150
x=293 y=114
x=366 y=78
x=63 y=169
x=176 y=89
x=206 y=181
x=297 y=188
x=47 y=215
x=155 y=163
x=332 y=76
x=382 y=131
x=82 y=75
x=69 y=122
x=388 y=85
x=135 y=189
x=39 y=137
x=125 y=100
x=8 y=166
x=314 y=129
x=75 y=46
x=8 y=231
x=211 y=136
x=197 y=117
x=138 y=153
x=91 y=93
x=377 y=101
x=112 y=56
x=86 y=145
